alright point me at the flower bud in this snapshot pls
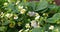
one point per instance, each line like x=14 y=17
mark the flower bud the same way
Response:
x=20 y=7
x=37 y=17
x=23 y=11
x=51 y=27
x=17 y=2
x=27 y=25
x=5 y=4
x=15 y=17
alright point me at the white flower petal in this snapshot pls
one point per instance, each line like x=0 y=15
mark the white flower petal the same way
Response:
x=16 y=17
x=37 y=17
x=22 y=11
x=34 y=24
x=20 y=7
x=51 y=27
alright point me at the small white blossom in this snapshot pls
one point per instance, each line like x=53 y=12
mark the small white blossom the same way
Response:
x=38 y=25
x=37 y=17
x=51 y=27
x=37 y=14
x=15 y=17
x=20 y=7
x=17 y=2
x=44 y=14
x=46 y=31
x=9 y=15
x=34 y=24
x=2 y=14
x=30 y=13
x=9 y=0
x=22 y=11
x=21 y=30
x=5 y=4
x=27 y=25
x=26 y=30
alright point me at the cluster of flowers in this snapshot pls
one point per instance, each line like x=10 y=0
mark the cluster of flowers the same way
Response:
x=22 y=11
x=35 y=23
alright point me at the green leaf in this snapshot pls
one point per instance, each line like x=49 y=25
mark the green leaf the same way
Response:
x=53 y=8
x=56 y=16
x=37 y=6
x=32 y=5
x=12 y=30
x=38 y=30
x=54 y=19
x=41 y=5
x=51 y=20
x=12 y=8
x=2 y=28
x=5 y=23
x=12 y=1
x=24 y=1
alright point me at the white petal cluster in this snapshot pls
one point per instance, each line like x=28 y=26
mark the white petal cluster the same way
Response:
x=15 y=17
x=36 y=14
x=31 y=13
x=37 y=17
x=5 y=4
x=51 y=27
x=27 y=25
x=17 y=2
x=23 y=11
x=34 y=23
x=9 y=0
x=20 y=7
x=2 y=14
x=9 y=15
x=21 y=30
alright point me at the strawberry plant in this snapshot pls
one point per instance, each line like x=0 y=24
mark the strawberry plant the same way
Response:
x=29 y=16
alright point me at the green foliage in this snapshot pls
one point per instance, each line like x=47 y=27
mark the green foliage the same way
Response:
x=37 y=6
x=33 y=16
x=41 y=5
x=54 y=19
x=38 y=30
